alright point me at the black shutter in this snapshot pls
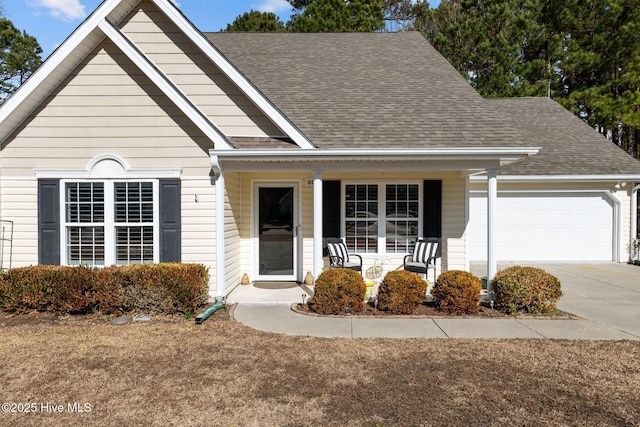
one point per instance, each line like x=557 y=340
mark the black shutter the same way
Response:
x=432 y=215
x=331 y=203
x=170 y=221
x=49 y=221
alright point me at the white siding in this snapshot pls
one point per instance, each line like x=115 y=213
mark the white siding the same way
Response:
x=19 y=205
x=233 y=215
x=198 y=224
x=102 y=109
x=205 y=85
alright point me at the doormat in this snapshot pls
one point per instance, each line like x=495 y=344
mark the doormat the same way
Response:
x=275 y=285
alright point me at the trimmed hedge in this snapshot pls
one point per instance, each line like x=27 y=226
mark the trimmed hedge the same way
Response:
x=457 y=292
x=401 y=292
x=338 y=291
x=526 y=289
x=153 y=288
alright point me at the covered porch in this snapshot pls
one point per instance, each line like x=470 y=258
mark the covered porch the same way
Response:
x=366 y=197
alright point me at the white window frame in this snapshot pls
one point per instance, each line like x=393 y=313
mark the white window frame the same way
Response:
x=110 y=256
x=382 y=213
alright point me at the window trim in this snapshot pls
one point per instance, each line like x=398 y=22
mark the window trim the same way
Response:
x=382 y=213
x=110 y=224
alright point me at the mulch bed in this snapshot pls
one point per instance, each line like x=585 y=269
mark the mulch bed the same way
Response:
x=428 y=309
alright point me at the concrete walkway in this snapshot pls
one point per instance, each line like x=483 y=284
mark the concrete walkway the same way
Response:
x=606 y=296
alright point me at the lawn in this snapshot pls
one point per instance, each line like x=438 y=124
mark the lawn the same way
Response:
x=171 y=372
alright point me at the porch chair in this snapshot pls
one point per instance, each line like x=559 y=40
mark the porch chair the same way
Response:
x=339 y=256
x=424 y=256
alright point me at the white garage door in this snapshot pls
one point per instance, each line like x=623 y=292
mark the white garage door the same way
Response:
x=544 y=227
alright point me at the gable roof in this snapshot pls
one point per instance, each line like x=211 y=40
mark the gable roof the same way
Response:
x=568 y=145
x=103 y=23
x=367 y=90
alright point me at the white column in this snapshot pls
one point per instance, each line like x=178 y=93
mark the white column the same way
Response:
x=318 y=263
x=492 y=198
x=220 y=255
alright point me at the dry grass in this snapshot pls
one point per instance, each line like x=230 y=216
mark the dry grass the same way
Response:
x=170 y=372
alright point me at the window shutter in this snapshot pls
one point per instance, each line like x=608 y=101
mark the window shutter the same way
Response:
x=49 y=221
x=432 y=215
x=170 y=220
x=331 y=204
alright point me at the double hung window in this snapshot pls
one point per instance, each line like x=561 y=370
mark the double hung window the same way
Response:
x=110 y=222
x=382 y=217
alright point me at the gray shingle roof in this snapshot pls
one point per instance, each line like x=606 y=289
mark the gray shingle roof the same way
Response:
x=569 y=145
x=366 y=90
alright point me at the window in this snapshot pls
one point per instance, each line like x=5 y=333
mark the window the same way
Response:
x=110 y=222
x=361 y=223
x=382 y=218
x=403 y=217
x=85 y=223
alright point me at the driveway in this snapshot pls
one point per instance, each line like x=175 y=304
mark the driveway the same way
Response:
x=605 y=293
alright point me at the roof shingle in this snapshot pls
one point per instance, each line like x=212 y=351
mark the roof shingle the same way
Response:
x=366 y=90
x=568 y=145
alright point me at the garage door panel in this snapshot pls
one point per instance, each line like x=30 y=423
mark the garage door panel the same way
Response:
x=544 y=227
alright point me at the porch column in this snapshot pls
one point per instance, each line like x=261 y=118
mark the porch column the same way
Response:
x=492 y=197
x=220 y=255
x=318 y=263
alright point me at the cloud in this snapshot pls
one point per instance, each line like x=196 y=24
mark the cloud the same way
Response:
x=274 y=6
x=66 y=10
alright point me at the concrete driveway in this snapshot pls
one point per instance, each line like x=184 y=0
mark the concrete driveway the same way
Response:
x=605 y=293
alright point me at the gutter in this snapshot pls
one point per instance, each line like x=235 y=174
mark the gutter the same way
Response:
x=377 y=154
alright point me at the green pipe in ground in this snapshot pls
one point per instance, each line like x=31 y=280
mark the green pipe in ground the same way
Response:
x=204 y=315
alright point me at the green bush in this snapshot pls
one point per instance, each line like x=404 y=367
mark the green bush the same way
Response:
x=166 y=288
x=401 y=292
x=457 y=292
x=526 y=289
x=338 y=291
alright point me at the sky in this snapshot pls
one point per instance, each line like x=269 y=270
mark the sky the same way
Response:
x=52 y=21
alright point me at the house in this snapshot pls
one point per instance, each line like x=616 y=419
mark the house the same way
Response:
x=142 y=139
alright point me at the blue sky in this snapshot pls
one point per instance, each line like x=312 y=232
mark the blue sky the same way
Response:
x=52 y=21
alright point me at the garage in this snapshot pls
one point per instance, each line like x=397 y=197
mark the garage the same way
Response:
x=544 y=227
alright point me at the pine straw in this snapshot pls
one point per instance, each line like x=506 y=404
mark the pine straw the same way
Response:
x=172 y=372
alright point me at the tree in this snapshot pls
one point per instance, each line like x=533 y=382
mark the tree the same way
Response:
x=600 y=66
x=401 y=15
x=497 y=45
x=257 y=22
x=337 y=16
x=19 y=57
x=583 y=53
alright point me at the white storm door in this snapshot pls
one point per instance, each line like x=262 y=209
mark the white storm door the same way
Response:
x=276 y=225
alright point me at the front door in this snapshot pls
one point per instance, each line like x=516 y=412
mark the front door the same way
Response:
x=277 y=229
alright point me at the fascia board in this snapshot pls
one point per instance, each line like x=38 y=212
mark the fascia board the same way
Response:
x=164 y=84
x=234 y=74
x=558 y=178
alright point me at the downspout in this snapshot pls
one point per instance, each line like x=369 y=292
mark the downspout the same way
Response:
x=220 y=207
x=617 y=226
x=204 y=315
x=633 y=252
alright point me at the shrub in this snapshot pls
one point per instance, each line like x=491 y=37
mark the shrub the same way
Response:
x=47 y=288
x=457 y=292
x=338 y=291
x=167 y=288
x=401 y=292
x=527 y=289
